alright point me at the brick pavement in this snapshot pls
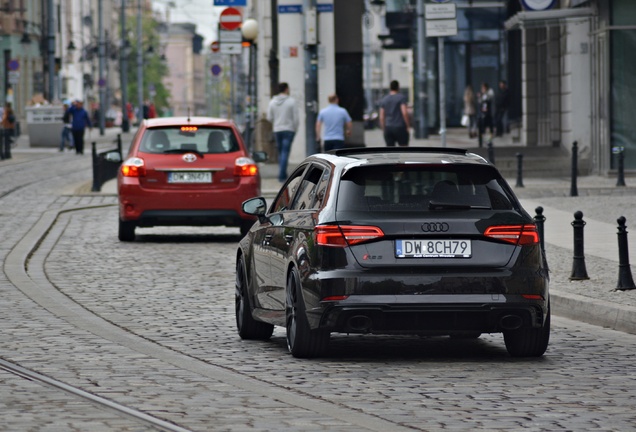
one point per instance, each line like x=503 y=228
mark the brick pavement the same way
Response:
x=178 y=295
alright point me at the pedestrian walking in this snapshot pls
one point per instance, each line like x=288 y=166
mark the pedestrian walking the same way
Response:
x=502 y=103
x=67 y=135
x=283 y=114
x=336 y=122
x=485 y=109
x=394 y=118
x=470 y=111
x=8 y=131
x=80 y=120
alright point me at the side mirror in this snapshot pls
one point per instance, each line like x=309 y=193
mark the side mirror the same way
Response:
x=260 y=156
x=255 y=206
x=113 y=156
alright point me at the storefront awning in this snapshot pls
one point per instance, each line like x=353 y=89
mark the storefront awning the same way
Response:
x=548 y=18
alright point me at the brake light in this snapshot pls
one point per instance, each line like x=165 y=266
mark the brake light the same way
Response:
x=189 y=128
x=335 y=298
x=133 y=167
x=532 y=296
x=345 y=235
x=245 y=167
x=515 y=234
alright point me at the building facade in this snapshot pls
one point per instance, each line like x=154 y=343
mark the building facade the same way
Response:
x=577 y=80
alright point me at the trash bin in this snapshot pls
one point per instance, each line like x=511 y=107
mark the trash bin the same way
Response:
x=44 y=125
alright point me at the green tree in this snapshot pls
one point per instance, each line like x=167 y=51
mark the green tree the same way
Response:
x=154 y=66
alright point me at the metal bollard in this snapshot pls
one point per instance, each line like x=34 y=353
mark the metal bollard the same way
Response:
x=575 y=156
x=520 y=170
x=539 y=221
x=579 y=271
x=620 y=152
x=625 y=280
x=491 y=153
x=96 y=186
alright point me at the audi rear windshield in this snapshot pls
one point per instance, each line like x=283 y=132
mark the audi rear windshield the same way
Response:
x=422 y=187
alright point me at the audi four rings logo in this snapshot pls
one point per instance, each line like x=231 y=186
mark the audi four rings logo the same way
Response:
x=189 y=157
x=435 y=227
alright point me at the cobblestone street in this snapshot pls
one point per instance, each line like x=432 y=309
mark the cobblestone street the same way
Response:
x=150 y=325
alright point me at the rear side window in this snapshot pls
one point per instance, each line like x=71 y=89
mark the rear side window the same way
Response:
x=422 y=188
x=206 y=140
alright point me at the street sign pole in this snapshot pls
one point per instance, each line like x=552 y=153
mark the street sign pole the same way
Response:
x=442 y=91
x=441 y=21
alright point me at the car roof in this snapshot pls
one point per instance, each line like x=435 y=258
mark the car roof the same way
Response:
x=180 y=121
x=365 y=156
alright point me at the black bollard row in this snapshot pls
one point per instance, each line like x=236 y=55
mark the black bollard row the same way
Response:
x=520 y=170
x=625 y=280
x=579 y=272
x=491 y=153
x=575 y=156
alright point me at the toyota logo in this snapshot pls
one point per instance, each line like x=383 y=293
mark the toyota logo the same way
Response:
x=435 y=227
x=189 y=157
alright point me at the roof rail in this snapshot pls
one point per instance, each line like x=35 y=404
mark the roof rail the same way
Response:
x=376 y=150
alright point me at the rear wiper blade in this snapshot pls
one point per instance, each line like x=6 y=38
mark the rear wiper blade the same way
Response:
x=184 y=151
x=440 y=205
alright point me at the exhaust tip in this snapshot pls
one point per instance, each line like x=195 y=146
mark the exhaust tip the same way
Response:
x=510 y=322
x=359 y=323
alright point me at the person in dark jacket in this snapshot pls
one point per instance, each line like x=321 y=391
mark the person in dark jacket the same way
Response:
x=80 y=122
x=8 y=131
x=502 y=103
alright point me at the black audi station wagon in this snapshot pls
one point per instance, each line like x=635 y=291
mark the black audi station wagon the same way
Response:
x=423 y=241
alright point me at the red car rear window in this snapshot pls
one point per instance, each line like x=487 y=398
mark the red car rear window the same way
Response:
x=206 y=140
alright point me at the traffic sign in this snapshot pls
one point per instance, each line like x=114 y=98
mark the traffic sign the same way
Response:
x=214 y=46
x=230 y=2
x=216 y=70
x=230 y=19
x=230 y=41
x=14 y=65
x=14 y=77
x=441 y=11
x=441 y=27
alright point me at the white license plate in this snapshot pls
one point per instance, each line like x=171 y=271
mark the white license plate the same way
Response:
x=190 y=177
x=433 y=249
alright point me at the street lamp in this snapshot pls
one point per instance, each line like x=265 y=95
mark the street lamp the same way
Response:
x=249 y=30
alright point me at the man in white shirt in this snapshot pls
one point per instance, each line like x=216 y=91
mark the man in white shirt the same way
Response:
x=283 y=114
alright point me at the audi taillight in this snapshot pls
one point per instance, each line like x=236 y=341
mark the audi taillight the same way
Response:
x=133 y=167
x=515 y=234
x=345 y=235
x=245 y=167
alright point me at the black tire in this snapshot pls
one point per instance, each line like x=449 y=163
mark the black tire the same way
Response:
x=126 y=231
x=247 y=326
x=302 y=342
x=528 y=342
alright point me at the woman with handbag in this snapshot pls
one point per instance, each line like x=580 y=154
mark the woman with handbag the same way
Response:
x=470 y=111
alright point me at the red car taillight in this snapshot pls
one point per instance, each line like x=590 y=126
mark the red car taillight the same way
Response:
x=345 y=235
x=133 y=167
x=245 y=167
x=515 y=234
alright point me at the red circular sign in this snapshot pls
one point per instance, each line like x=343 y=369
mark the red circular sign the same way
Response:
x=230 y=19
x=214 y=46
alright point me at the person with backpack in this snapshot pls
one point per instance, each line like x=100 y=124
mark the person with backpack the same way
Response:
x=67 y=135
x=8 y=131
